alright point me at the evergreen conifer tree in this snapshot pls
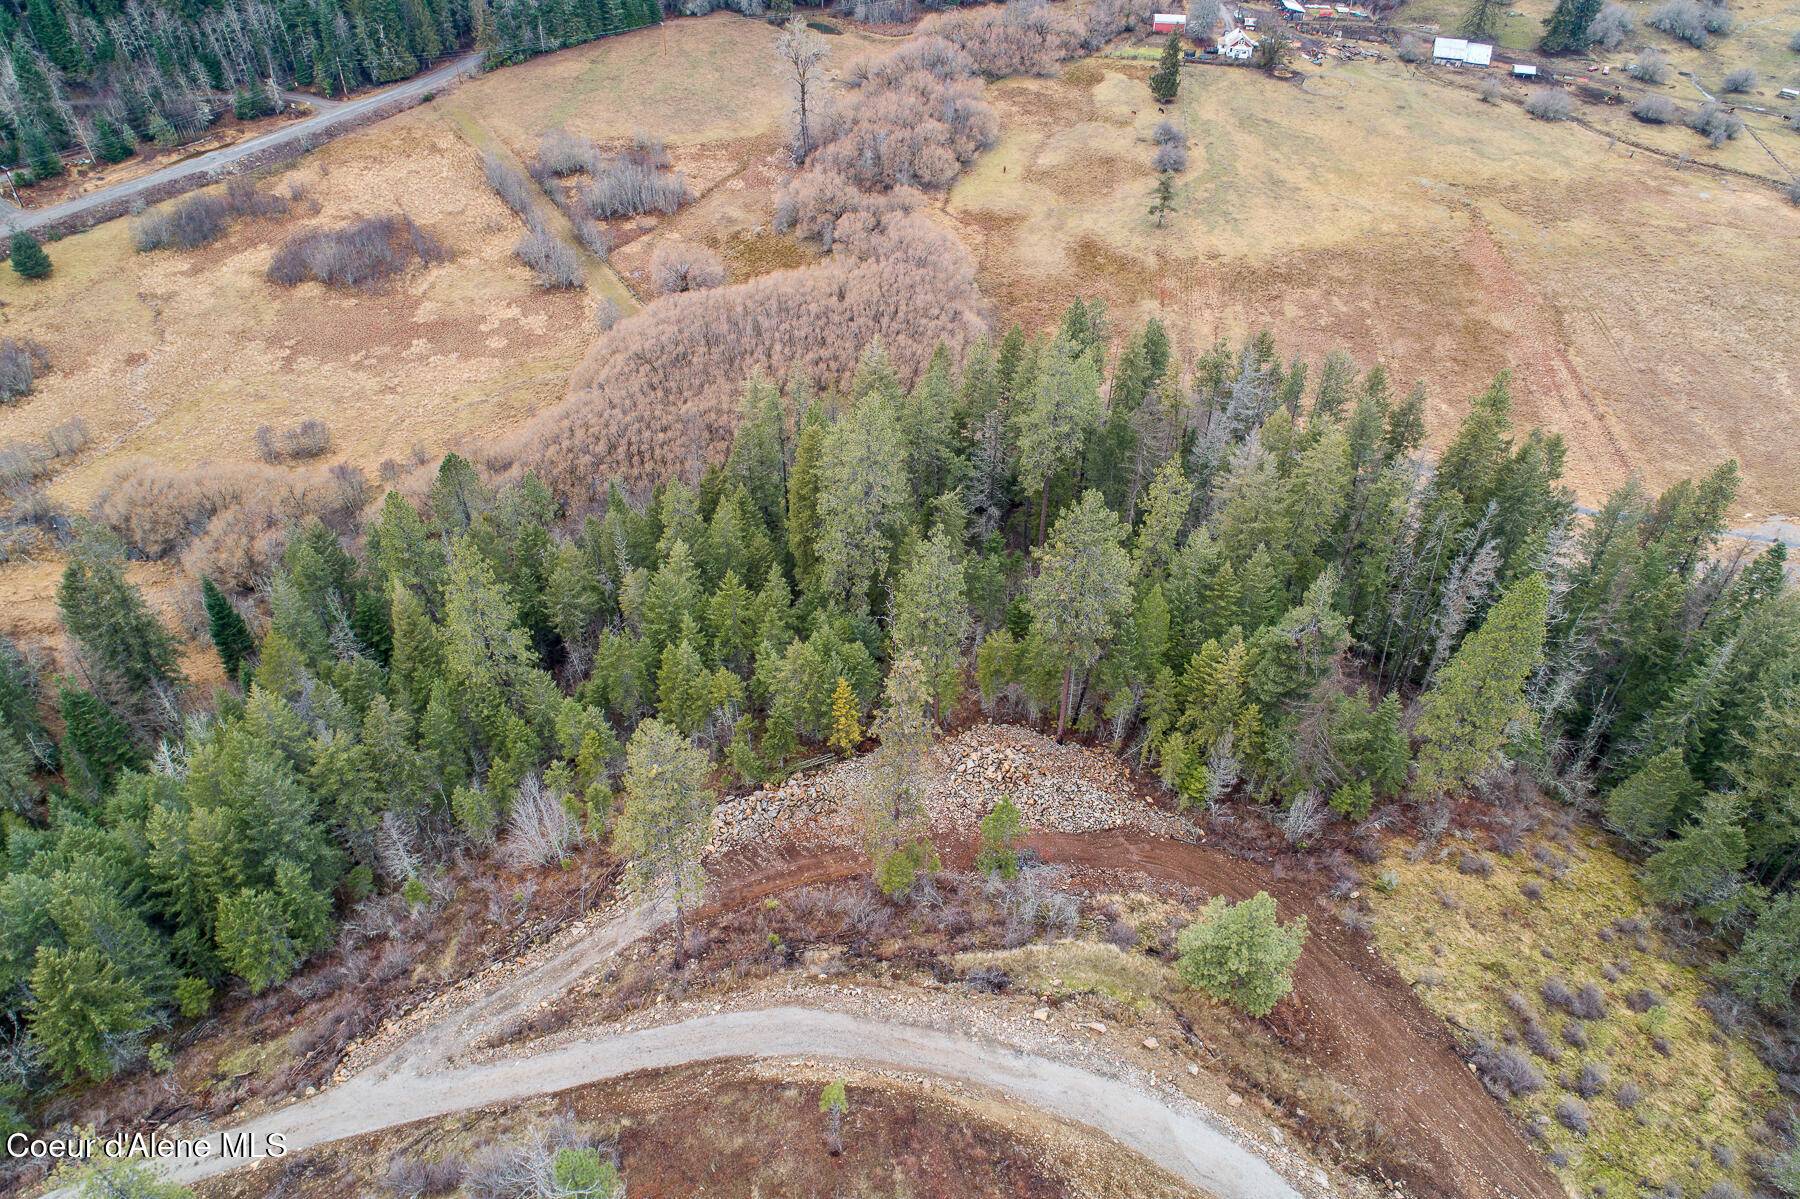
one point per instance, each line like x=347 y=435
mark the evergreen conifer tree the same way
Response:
x=1165 y=81
x=846 y=722
x=1463 y=719
x=81 y=1006
x=230 y=635
x=28 y=257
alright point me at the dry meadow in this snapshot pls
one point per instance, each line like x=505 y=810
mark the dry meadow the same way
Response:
x=1645 y=311
x=178 y=357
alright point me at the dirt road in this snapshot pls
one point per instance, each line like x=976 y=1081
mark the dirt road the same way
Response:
x=1351 y=1009
x=1165 y=1128
x=420 y=1078
x=330 y=116
x=1351 y=1015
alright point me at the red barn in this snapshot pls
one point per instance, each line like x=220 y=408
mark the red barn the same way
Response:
x=1168 y=22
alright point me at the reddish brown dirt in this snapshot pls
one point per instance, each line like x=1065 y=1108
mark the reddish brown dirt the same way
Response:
x=1354 y=1016
x=1351 y=1016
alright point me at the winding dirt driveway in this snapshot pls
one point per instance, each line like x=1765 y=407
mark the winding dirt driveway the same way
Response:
x=420 y=1078
x=1350 y=1014
x=1167 y=1130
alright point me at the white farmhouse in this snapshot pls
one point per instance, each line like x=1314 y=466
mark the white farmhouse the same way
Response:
x=1237 y=45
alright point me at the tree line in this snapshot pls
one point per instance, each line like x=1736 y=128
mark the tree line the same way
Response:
x=100 y=75
x=1239 y=571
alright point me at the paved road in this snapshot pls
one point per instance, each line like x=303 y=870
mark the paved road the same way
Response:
x=331 y=114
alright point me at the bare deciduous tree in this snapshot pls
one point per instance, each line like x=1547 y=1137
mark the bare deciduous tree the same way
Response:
x=802 y=50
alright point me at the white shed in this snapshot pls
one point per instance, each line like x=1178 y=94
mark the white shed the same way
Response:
x=1524 y=70
x=1461 y=50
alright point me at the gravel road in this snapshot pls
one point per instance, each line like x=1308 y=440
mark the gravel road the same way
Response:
x=1166 y=1129
x=420 y=1077
x=331 y=114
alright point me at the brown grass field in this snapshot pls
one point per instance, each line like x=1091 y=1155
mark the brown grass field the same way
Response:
x=177 y=357
x=1644 y=311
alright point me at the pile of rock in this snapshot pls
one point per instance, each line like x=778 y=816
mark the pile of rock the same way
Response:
x=813 y=806
x=1058 y=788
x=1061 y=788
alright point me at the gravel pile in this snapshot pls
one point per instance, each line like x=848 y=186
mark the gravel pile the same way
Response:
x=1057 y=788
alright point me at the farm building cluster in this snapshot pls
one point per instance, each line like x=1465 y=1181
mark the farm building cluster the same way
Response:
x=1234 y=43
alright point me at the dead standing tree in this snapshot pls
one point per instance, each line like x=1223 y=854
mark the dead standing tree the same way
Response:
x=802 y=50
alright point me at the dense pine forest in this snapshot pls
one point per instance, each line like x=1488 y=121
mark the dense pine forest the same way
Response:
x=99 y=75
x=1239 y=572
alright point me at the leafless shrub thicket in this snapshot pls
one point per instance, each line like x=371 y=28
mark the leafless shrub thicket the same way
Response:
x=539 y=829
x=1036 y=902
x=1549 y=104
x=635 y=180
x=21 y=362
x=200 y=220
x=23 y=463
x=29 y=520
x=1690 y=21
x=678 y=266
x=1590 y=1003
x=508 y=182
x=1304 y=819
x=1714 y=122
x=1650 y=66
x=409 y=1176
x=1171 y=154
x=562 y=153
x=1024 y=37
x=1413 y=49
x=360 y=254
x=297 y=443
x=184 y=225
x=1743 y=79
x=1654 y=110
x=916 y=119
x=554 y=263
x=660 y=394
x=1506 y=1072
x=1591 y=1080
x=1107 y=19
x=1611 y=26
x=592 y=235
x=231 y=523
x=815 y=201
x=606 y=315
